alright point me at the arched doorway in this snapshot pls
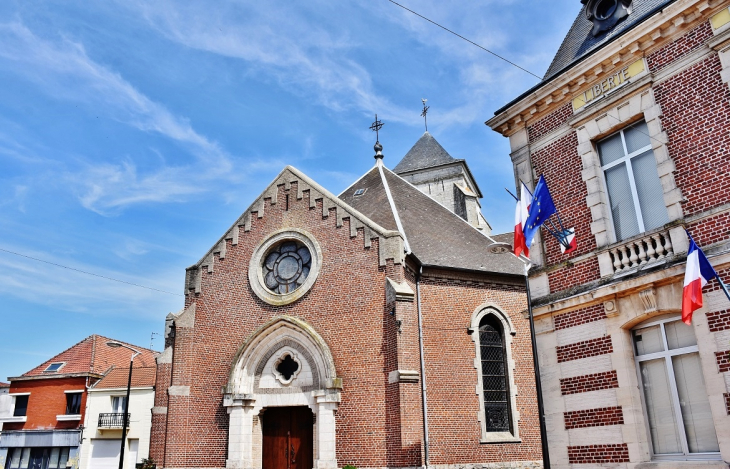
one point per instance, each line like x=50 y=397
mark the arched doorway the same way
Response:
x=282 y=376
x=287 y=438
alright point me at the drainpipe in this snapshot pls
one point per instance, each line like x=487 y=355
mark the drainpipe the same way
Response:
x=538 y=384
x=423 y=366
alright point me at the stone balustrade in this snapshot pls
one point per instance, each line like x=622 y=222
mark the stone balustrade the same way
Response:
x=641 y=251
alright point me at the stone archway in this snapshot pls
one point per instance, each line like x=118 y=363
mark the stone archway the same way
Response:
x=284 y=363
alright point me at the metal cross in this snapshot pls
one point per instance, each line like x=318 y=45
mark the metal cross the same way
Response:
x=375 y=127
x=425 y=111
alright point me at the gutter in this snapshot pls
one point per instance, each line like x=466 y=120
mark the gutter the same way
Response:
x=423 y=368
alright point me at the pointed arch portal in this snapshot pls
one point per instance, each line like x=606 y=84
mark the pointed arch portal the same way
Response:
x=283 y=364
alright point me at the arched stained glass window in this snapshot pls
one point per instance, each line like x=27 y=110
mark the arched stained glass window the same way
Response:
x=495 y=380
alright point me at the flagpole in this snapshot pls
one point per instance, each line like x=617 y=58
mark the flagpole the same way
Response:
x=723 y=286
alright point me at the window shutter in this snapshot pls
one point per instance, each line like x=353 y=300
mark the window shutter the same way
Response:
x=622 y=202
x=637 y=137
x=611 y=149
x=651 y=195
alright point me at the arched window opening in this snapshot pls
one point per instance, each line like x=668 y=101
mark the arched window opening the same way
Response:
x=495 y=380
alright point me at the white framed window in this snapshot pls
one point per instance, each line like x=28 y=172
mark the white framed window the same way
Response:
x=118 y=404
x=636 y=197
x=492 y=331
x=674 y=395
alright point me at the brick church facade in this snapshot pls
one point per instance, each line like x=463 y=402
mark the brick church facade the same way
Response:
x=378 y=328
x=631 y=129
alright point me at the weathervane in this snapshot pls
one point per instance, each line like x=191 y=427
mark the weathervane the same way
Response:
x=425 y=111
x=375 y=127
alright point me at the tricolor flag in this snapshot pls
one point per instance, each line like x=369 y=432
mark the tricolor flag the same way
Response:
x=699 y=272
x=523 y=206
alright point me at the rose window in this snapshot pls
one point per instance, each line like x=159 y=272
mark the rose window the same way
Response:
x=286 y=267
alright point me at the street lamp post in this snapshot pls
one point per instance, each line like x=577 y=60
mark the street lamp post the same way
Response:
x=125 y=417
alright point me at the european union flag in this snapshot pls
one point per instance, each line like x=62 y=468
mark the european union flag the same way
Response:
x=541 y=209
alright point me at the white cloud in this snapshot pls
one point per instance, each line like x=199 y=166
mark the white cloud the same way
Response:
x=304 y=53
x=61 y=288
x=64 y=70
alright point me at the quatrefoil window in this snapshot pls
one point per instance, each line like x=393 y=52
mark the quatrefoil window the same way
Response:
x=286 y=266
x=287 y=367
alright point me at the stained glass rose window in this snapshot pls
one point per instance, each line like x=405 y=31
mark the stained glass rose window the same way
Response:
x=286 y=267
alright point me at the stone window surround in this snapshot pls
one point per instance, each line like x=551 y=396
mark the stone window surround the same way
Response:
x=605 y=122
x=255 y=271
x=645 y=320
x=509 y=332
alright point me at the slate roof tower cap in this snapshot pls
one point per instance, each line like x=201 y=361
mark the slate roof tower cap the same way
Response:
x=605 y=14
x=426 y=153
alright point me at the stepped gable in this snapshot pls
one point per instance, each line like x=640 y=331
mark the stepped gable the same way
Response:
x=390 y=242
x=579 y=42
x=426 y=153
x=437 y=236
x=92 y=355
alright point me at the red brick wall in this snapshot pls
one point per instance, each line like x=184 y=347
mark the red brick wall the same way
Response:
x=723 y=361
x=579 y=316
x=378 y=424
x=453 y=403
x=47 y=400
x=584 y=349
x=596 y=454
x=594 y=417
x=719 y=320
x=727 y=402
x=560 y=164
x=159 y=421
x=679 y=48
x=550 y=122
x=696 y=111
x=573 y=274
x=587 y=383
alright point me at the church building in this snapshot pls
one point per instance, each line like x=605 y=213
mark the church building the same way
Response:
x=382 y=328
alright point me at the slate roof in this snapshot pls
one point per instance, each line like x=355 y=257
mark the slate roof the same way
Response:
x=426 y=153
x=579 y=41
x=437 y=236
x=92 y=355
x=118 y=377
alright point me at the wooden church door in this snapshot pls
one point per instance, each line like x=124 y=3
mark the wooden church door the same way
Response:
x=288 y=438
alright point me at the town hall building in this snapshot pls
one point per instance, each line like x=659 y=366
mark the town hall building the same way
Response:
x=630 y=127
x=384 y=327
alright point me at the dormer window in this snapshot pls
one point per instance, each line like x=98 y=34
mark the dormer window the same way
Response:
x=54 y=367
x=605 y=14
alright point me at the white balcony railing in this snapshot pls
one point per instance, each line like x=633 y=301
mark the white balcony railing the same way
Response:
x=641 y=251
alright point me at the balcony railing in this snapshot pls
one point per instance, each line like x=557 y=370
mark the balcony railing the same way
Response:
x=115 y=420
x=641 y=251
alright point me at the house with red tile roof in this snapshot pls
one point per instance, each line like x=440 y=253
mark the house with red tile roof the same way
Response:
x=105 y=414
x=44 y=427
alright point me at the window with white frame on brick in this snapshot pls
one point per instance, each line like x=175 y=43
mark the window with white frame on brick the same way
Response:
x=630 y=173
x=675 y=399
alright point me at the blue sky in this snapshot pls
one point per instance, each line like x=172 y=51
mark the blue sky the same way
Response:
x=133 y=133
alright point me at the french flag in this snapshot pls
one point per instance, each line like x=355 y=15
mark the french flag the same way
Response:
x=699 y=272
x=523 y=207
